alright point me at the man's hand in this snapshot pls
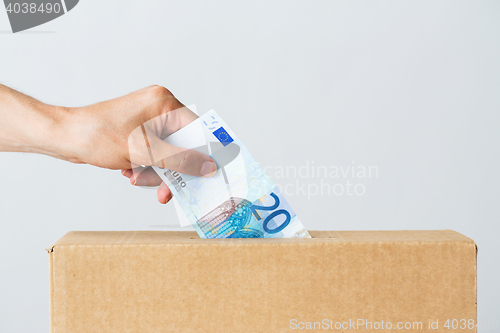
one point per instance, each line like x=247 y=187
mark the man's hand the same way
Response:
x=123 y=133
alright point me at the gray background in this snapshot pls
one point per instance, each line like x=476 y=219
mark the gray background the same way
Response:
x=410 y=87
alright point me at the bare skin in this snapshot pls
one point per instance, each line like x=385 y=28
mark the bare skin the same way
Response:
x=123 y=133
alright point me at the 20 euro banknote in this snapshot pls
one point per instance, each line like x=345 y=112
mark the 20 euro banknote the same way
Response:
x=240 y=200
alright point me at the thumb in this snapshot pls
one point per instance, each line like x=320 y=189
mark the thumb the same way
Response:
x=183 y=160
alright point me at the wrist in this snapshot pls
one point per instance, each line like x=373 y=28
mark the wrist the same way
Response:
x=65 y=134
x=48 y=135
x=29 y=126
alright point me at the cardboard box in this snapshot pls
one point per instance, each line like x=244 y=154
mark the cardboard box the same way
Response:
x=345 y=281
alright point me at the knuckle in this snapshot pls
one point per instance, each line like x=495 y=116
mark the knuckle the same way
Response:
x=186 y=160
x=165 y=99
x=160 y=92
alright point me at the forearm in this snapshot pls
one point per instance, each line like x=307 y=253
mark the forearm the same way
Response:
x=28 y=125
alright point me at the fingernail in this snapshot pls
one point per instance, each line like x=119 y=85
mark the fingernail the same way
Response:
x=140 y=182
x=208 y=168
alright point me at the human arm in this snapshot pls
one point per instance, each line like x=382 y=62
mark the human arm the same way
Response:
x=109 y=134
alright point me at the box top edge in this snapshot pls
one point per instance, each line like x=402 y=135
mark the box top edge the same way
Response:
x=190 y=237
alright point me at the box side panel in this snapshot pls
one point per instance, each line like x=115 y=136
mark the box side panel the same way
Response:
x=261 y=288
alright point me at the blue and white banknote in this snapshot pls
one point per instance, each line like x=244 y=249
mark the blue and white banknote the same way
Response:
x=240 y=200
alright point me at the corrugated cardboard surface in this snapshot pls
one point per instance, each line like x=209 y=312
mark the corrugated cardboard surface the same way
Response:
x=175 y=282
